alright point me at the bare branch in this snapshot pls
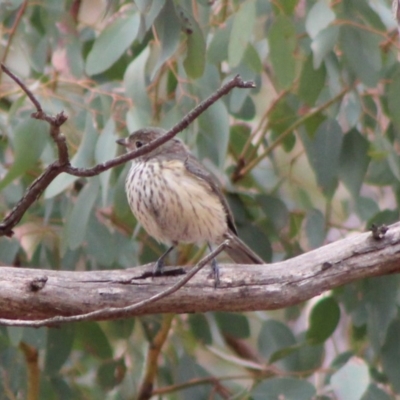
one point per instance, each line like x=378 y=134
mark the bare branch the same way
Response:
x=18 y=81
x=63 y=162
x=30 y=196
x=103 y=294
x=50 y=173
x=180 y=126
x=118 y=312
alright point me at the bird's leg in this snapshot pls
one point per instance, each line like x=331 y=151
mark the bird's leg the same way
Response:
x=214 y=268
x=159 y=266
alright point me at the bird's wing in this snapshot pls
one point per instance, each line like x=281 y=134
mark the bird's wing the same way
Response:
x=194 y=167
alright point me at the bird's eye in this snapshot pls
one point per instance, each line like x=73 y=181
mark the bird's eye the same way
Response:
x=138 y=144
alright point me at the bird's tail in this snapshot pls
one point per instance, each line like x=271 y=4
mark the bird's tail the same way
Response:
x=240 y=252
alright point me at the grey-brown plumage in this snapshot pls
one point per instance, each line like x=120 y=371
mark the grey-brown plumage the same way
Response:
x=177 y=200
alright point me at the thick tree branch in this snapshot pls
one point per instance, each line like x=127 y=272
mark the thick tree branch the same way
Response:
x=242 y=287
x=63 y=162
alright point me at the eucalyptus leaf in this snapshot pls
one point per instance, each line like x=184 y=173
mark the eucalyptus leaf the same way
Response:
x=105 y=150
x=323 y=320
x=281 y=38
x=167 y=26
x=283 y=388
x=112 y=43
x=323 y=152
x=76 y=224
x=30 y=137
x=351 y=381
x=242 y=28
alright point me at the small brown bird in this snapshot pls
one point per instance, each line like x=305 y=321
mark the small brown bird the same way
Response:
x=177 y=200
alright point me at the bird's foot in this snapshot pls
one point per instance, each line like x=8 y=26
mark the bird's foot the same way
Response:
x=159 y=265
x=158 y=269
x=215 y=272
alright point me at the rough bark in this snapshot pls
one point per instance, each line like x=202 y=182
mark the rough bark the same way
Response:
x=34 y=294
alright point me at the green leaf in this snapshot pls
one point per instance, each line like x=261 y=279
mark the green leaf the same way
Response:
x=323 y=152
x=309 y=357
x=8 y=250
x=217 y=51
x=35 y=337
x=30 y=137
x=233 y=324
x=168 y=27
x=323 y=44
x=58 y=386
x=393 y=100
x=375 y=393
x=105 y=150
x=281 y=117
x=383 y=148
x=282 y=42
x=92 y=339
x=311 y=82
x=352 y=380
x=314 y=224
x=74 y=54
x=283 y=388
x=274 y=336
x=366 y=208
x=76 y=224
x=257 y=239
x=354 y=160
x=112 y=43
x=390 y=354
x=188 y=369
x=242 y=29
x=135 y=80
x=195 y=60
x=15 y=334
x=200 y=328
x=378 y=296
x=239 y=135
x=247 y=111
x=323 y=320
x=379 y=173
x=284 y=353
x=59 y=346
x=252 y=59
x=275 y=209
x=319 y=17
x=288 y=6
x=111 y=373
x=385 y=217
x=214 y=133
x=121 y=328
x=361 y=50
x=101 y=243
x=151 y=9
x=370 y=115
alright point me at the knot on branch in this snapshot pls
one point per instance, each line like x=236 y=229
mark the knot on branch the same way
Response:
x=379 y=232
x=38 y=283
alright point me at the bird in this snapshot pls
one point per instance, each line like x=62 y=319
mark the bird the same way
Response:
x=177 y=200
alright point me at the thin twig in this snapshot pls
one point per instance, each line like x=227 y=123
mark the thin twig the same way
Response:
x=14 y=27
x=180 y=126
x=18 y=81
x=118 y=312
x=63 y=162
x=237 y=175
x=156 y=343
x=30 y=196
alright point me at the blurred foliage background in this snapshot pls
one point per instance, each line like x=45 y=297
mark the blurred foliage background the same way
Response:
x=306 y=158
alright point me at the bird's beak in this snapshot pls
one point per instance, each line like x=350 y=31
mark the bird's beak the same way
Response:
x=122 y=142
